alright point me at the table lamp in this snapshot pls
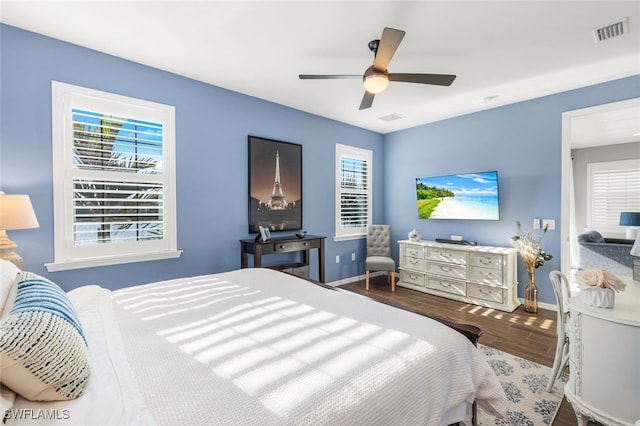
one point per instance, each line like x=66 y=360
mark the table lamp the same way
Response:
x=16 y=212
x=632 y=221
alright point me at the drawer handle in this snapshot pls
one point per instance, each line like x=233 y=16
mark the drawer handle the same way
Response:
x=444 y=284
x=483 y=291
x=413 y=277
x=413 y=261
x=305 y=244
x=413 y=252
x=442 y=268
x=486 y=274
x=281 y=246
x=486 y=261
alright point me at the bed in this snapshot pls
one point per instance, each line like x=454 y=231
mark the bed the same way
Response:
x=258 y=346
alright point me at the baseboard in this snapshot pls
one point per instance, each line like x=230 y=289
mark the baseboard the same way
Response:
x=543 y=305
x=354 y=279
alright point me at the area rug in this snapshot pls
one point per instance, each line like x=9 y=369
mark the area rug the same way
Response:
x=525 y=384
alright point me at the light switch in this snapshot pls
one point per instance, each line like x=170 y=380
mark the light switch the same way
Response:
x=550 y=224
x=536 y=223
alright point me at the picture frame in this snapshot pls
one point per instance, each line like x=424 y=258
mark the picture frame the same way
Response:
x=265 y=234
x=275 y=185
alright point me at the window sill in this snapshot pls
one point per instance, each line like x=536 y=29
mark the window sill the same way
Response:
x=349 y=237
x=110 y=260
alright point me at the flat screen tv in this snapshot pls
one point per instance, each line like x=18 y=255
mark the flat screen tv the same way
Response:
x=462 y=196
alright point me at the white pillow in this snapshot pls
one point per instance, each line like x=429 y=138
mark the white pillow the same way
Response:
x=8 y=284
x=8 y=273
x=43 y=351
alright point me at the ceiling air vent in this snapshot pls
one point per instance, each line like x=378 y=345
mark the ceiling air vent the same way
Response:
x=391 y=117
x=615 y=29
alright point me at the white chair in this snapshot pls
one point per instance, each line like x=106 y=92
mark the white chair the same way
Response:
x=379 y=253
x=560 y=285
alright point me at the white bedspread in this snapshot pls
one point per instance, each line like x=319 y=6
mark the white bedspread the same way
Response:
x=256 y=346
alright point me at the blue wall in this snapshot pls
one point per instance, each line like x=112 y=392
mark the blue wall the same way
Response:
x=522 y=141
x=212 y=125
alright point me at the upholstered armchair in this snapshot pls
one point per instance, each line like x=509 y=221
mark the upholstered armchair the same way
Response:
x=611 y=254
x=379 y=253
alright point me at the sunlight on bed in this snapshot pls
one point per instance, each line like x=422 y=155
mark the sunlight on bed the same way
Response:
x=283 y=352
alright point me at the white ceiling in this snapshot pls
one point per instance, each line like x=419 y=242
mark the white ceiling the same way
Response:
x=502 y=51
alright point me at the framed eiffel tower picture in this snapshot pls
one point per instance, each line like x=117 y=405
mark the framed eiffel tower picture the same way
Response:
x=275 y=185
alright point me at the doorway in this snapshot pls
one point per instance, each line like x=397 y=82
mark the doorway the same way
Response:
x=607 y=124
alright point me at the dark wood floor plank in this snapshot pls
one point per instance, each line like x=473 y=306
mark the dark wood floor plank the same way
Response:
x=529 y=336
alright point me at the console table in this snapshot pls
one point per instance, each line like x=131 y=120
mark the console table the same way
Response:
x=481 y=275
x=604 y=359
x=283 y=245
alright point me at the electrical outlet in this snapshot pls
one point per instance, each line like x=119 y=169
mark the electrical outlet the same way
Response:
x=549 y=224
x=338 y=259
x=536 y=223
x=353 y=257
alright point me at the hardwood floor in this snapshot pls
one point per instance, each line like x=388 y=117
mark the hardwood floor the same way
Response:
x=529 y=336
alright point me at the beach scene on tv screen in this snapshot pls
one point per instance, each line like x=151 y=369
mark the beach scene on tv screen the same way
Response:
x=463 y=196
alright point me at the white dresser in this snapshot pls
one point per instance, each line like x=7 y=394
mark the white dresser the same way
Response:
x=481 y=275
x=604 y=359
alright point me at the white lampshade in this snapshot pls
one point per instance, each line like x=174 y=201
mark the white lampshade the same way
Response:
x=16 y=212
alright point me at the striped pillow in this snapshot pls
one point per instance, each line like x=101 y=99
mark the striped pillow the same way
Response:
x=43 y=351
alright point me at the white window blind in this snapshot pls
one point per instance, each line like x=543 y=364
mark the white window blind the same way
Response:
x=613 y=187
x=110 y=210
x=353 y=191
x=114 y=186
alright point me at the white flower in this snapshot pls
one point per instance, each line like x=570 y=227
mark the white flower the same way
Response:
x=590 y=278
x=599 y=278
x=613 y=282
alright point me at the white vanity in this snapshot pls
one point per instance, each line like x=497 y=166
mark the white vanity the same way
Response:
x=604 y=359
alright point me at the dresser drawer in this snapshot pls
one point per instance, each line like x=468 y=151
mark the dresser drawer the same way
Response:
x=492 y=261
x=453 y=287
x=417 y=252
x=484 y=292
x=412 y=278
x=413 y=263
x=444 y=255
x=447 y=270
x=485 y=275
x=291 y=246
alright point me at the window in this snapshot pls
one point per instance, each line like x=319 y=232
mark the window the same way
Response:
x=113 y=179
x=613 y=187
x=353 y=191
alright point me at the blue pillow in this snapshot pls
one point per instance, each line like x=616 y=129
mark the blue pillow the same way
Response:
x=591 y=237
x=43 y=350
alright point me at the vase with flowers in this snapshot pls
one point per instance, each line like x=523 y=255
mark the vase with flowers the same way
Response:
x=533 y=256
x=598 y=287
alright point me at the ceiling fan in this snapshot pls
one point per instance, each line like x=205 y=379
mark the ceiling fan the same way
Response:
x=376 y=77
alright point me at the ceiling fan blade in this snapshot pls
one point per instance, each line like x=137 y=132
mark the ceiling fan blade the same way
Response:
x=326 y=77
x=367 y=100
x=388 y=45
x=437 y=79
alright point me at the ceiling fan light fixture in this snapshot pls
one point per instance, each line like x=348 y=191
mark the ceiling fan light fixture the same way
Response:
x=375 y=81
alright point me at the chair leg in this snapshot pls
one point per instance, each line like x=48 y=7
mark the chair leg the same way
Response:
x=366 y=280
x=557 y=362
x=393 y=281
